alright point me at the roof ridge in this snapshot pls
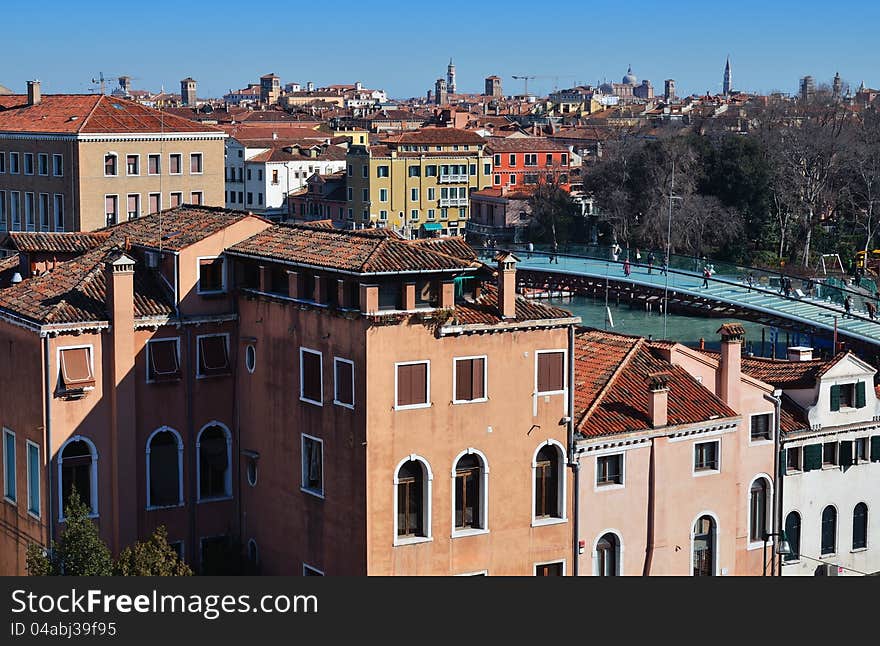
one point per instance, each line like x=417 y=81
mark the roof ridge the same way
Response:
x=82 y=124
x=628 y=357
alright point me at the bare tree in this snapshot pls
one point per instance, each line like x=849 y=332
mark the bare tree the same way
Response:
x=862 y=173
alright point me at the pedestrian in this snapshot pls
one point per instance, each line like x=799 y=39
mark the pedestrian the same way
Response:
x=786 y=286
x=750 y=279
x=626 y=269
x=531 y=249
x=554 y=257
x=615 y=252
x=847 y=304
x=638 y=257
x=650 y=261
x=872 y=310
x=706 y=274
x=664 y=266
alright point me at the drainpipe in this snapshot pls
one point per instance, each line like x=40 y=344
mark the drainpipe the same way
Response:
x=649 y=547
x=776 y=525
x=48 y=396
x=193 y=461
x=573 y=462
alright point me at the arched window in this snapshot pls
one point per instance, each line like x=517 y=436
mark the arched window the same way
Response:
x=608 y=555
x=164 y=468
x=78 y=467
x=793 y=535
x=470 y=481
x=829 y=530
x=549 y=483
x=411 y=499
x=860 y=526
x=214 y=457
x=758 y=509
x=704 y=546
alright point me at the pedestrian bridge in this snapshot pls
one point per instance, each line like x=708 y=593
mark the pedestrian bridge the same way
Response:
x=728 y=288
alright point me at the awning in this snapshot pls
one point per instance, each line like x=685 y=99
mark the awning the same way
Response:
x=432 y=226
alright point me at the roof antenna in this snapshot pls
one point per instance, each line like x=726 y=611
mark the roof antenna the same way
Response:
x=161 y=159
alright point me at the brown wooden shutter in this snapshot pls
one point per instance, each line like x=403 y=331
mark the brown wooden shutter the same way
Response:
x=164 y=364
x=154 y=203
x=213 y=358
x=344 y=380
x=311 y=376
x=404 y=385
x=132 y=203
x=412 y=384
x=478 y=370
x=76 y=368
x=551 y=368
x=464 y=379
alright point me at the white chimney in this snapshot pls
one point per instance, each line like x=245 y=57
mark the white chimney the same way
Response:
x=800 y=353
x=658 y=399
x=34 y=94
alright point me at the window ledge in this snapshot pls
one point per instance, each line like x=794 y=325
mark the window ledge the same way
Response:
x=169 y=380
x=790 y=562
x=63 y=519
x=35 y=516
x=10 y=501
x=762 y=442
x=858 y=549
x=160 y=507
x=828 y=556
x=219 y=374
x=793 y=472
x=413 y=406
x=706 y=472
x=313 y=492
x=311 y=401
x=470 y=401
x=461 y=533
x=608 y=486
x=412 y=540
x=541 y=522
x=213 y=294
x=757 y=545
x=343 y=404
x=217 y=499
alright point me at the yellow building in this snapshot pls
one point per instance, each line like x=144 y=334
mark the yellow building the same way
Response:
x=417 y=183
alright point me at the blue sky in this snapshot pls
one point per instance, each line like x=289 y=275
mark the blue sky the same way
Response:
x=404 y=48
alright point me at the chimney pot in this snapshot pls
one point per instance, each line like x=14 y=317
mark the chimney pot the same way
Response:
x=35 y=97
x=730 y=367
x=507 y=284
x=658 y=399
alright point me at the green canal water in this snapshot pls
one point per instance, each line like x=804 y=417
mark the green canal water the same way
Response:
x=684 y=329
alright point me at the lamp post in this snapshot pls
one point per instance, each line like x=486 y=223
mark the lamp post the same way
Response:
x=672 y=196
x=782 y=548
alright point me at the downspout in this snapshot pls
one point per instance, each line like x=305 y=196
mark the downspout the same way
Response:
x=573 y=462
x=649 y=542
x=48 y=396
x=193 y=484
x=776 y=525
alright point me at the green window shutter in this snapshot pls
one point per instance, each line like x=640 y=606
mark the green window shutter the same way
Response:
x=835 y=397
x=846 y=453
x=860 y=394
x=875 y=448
x=783 y=454
x=812 y=457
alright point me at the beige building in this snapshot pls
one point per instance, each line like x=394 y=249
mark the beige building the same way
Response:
x=417 y=183
x=80 y=162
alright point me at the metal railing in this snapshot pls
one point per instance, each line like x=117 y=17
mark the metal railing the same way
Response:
x=450 y=178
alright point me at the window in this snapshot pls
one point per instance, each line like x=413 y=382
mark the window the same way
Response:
x=365 y=171
x=212 y=277
x=57 y=165
x=75 y=372
x=608 y=555
x=548 y=159
x=9 y=474
x=14 y=213
x=250 y=198
x=550 y=368
x=512 y=179
x=252 y=469
x=14 y=163
x=412 y=481
x=383 y=194
x=414 y=194
x=195 y=165
x=706 y=456
x=350 y=170
x=470 y=494
x=412 y=384
x=275 y=176
x=431 y=170
x=343 y=382
x=44 y=211
x=432 y=194
x=33 y=479
x=349 y=193
x=132 y=164
x=260 y=199
x=214 y=448
x=2 y=162
x=793 y=535
x=550 y=569
x=154 y=165
x=250 y=358
x=175 y=164
x=365 y=195
x=213 y=356
x=195 y=197
x=530 y=178
x=382 y=171
x=29 y=211
x=531 y=159
x=759 y=509
x=133 y=207
x=431 y=214
x=812 y=457
x=2 y=210
x=163 y=363
x=414 y=171
x=78 y=468
x=861 y=449
x=497 y=179
x=29 y=163
x=164 y=468
x=860 y=527
x=564 y=159
x=175 y=199
x=609 y=470
x=311 y=383
x=549 y=501
x=829 y=530
x=829 y=454
x=383 y=215
x=704 y=533
x=312 y=465
x=253 y=553
x=43 y=163
x=110 y=169
x=59 y=212
x=512 y=160
x=793 y=459
x=487 y=169
x=850 y=395
x=155 y=202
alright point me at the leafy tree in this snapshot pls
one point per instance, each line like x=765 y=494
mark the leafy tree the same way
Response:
x=556 y=217
x=79 y=550
x=153 y=557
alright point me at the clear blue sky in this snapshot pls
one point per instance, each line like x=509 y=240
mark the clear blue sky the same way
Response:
x=224 y=44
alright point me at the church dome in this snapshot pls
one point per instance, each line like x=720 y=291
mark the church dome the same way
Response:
x=630 y=78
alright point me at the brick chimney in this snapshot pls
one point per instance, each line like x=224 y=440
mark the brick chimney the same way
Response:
x=658 y=399
x=34 y=94
x=507 y=284
x=730 y=368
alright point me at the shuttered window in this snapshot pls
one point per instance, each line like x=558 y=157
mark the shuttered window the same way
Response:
x=761 y=427
x=210 y=275
x=311 y=384
x=213 y=356
x=812 y=457
x=470 y=379
x=846 y=453
x=875 y=448
x=76 y=369
x=162 y=362
x=551 y=372
x=412 y=384
x=835 y=398
x=343 y=375
x=860 y=394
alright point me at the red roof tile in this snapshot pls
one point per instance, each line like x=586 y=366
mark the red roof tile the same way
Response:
x=485 y=311
x=437 y=136
x=524 y=145
x=32 y=241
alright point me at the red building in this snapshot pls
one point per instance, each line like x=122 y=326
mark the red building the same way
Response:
x=524 y=162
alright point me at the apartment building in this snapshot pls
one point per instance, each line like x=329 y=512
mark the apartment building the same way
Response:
x=521 y=163
x=675 y=455
x=417 y=183
x=82 y=162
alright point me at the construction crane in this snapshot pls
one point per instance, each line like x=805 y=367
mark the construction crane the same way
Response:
x=525 y=79
x=100 y=80
x=555 y=78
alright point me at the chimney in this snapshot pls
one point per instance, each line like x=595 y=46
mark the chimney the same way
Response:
x=507 y=284
x=730 y=371
x=34 y=95
x=658 y=399
x=800 y=353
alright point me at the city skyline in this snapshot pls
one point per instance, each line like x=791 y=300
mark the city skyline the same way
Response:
x=408 y=61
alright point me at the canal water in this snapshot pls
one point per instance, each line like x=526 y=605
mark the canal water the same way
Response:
x=684 y=329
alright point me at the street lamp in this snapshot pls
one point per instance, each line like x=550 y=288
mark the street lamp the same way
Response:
x=672 y=196
x=782 y=548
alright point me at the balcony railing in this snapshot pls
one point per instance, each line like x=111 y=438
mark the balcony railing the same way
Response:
x=450 y=179
x=453 y=201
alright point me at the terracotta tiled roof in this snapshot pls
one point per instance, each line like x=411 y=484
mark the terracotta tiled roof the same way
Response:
x=783 y=373
x=616 y=400
x=450 y=245
x=180 y=227
x=524 y=145
x=369 y=251
x=437 y=136
x=89 y=113
x=32 y=241
x=793 y=418
x=279 y=154
x=497 y=193
x=484 y=310
x=76 y=290
x=8 y=266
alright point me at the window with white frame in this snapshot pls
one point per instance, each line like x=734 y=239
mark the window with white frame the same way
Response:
x=43 y=204
x=212 y=355
x=57 y=165
x=10 y=480
x=470 y=379
x=312 y=465
x=607 y=555
x=311 y=382
x=133 y=205
x=470 y=484
x=609 y=470
x=759 y=509
x=195 y=163
x=110 y=165
x=412 y=482
x=549 y=483
x=29 y=163
x=2 y=162
x=14 y=168
x=343 y=382
x=33 y=479
x=175 y=164
x=132 y=164
x=549 y=372
x=164 y=456
x=163 y=360
x=58 y=209
x=212 y=275
x=761 y=427
x=412 y=384
x=43 y=163
x=214 y=446
x=154 y=164
x=78 y=471
x=707 y=456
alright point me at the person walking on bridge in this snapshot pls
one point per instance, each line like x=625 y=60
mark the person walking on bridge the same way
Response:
x=531 y=248
x=706 y=274
x=650 y=261
x=872 y=310
x=847 y=304
x=626 y=269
